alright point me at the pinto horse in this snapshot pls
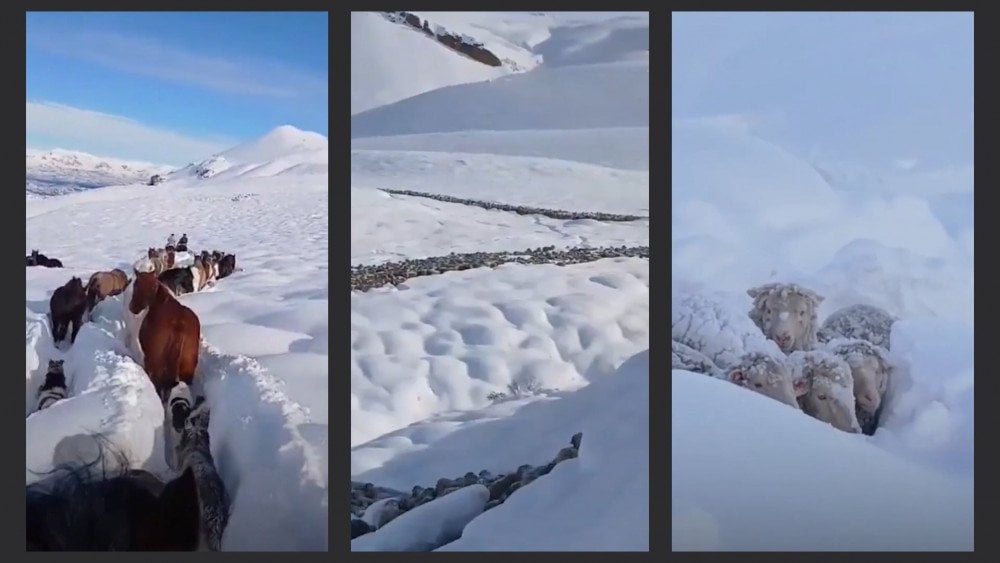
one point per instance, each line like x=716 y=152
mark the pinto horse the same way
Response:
x=169 y=335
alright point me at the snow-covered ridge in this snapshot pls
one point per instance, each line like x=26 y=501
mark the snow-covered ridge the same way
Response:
x=284 y=149
x=59 y=171
x=467 y=45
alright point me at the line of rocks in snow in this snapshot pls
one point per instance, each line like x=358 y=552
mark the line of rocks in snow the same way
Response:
x=373 y=507
x=367 y=277
x=520 y=209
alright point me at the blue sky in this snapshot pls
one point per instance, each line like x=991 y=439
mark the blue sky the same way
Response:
x=172 y=87
x=866 y=87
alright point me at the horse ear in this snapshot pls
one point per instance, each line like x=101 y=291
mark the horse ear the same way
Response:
x=180 y=516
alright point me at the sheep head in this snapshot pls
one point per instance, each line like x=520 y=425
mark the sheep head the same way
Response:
x=870 y=370
x=767 y=376
x=786 y=314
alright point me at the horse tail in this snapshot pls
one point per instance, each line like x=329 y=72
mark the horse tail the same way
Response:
x=178 y=349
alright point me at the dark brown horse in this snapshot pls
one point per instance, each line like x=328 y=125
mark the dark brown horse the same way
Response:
x=67 y=305
x=170 y=334
x=105 y=284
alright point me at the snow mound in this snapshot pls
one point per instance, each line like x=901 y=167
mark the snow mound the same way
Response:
x=596 y=502
x=285 y=150
x=830 y=491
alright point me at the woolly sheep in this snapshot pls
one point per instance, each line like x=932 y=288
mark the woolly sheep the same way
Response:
x=864 y=322
x=717 y=327
x=871 y=371
x=687 y=358
x=786 y=314
x=768 y=376
x=830 y=395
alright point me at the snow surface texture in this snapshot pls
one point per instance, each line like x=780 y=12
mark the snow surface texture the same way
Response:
x=750 y=207
x=263 y=360
x=426 y=356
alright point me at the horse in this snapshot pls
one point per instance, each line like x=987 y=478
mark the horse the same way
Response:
x=195 y=454
x=38 y=259
x=169 y=335
x=67 y=304
x=79 y=509
x=105 y=284
x=178 y=280
x=227 y=265
x=162 y=259
x=203 y=272
x=54 y=388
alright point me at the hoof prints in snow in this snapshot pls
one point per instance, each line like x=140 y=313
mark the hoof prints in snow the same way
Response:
x=367 y=277
x=364 y=495
x=521 y=209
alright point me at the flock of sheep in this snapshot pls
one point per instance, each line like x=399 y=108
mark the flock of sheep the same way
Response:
x=837 y=373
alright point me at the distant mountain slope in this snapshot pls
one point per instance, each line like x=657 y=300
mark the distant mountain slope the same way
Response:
x=58 y=171
x=284 y=149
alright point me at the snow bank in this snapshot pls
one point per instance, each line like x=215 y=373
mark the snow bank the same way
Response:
x=800 y=486
x=596 y=502
x=428 y=525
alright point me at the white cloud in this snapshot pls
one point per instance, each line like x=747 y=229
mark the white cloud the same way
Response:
x=148 y=57
x=906 y=163
x=62 y=126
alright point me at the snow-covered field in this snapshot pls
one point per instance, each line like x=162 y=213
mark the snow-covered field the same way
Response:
x=263 y=363
x=748 y=472
x=427 y=356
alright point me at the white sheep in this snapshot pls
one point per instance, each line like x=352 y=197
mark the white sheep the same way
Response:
x=768 y=376
x=687 y=358
x=830 y=395
x=717 y=327
x=786 y=314
x=858 y=321
x=871 y=370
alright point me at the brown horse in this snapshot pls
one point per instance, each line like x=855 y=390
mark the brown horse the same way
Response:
x=105 y=284
x=163 y=259
x=169 y=336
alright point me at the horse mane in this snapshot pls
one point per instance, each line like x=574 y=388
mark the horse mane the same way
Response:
x=71 y=510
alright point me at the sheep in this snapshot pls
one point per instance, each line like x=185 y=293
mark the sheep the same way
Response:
x=871 y=371
x=830 y=394
x=716 y=327
x=858 y=321
x=687 y=358
x=786 y=314
x=768 y=376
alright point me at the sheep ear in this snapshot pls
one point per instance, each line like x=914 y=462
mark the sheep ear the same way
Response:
x=738 y=377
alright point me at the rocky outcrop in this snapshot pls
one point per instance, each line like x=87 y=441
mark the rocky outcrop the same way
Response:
x=460 y=43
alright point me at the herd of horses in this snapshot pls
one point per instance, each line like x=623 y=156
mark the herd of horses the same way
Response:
x=164 y=337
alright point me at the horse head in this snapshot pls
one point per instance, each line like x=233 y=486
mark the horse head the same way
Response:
x=143 y=290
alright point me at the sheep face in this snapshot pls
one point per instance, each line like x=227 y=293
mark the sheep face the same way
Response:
x=831 y=397
x=786 y=315
x=870 y=378
x=768 y=377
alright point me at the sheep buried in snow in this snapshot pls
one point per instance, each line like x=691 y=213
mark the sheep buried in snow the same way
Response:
x=768 y=376
x=687 y=358
x=830 y=384
x=786 y=314
x=716 y=327
x=864 y=322
x=871 y=371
